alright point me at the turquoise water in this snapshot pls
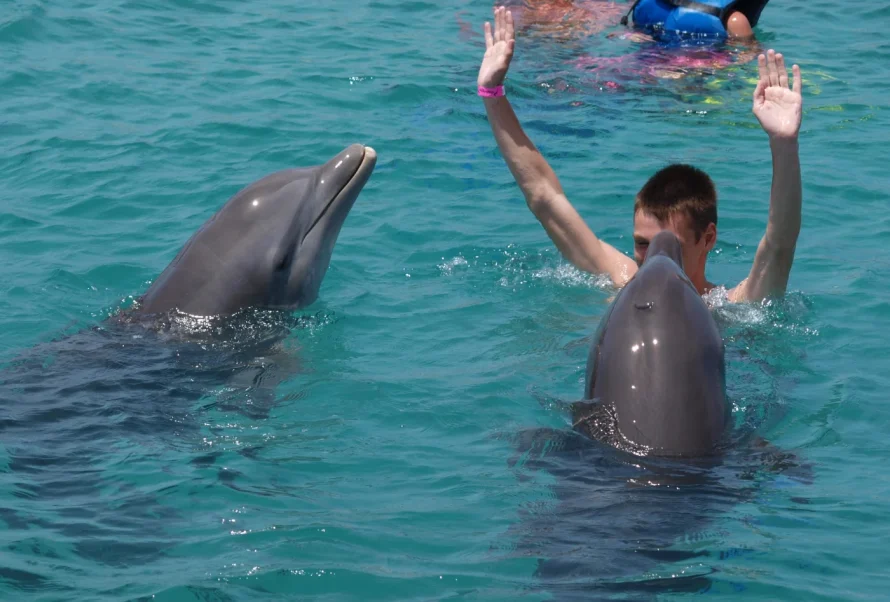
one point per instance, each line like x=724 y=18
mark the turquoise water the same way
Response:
x=405 y=454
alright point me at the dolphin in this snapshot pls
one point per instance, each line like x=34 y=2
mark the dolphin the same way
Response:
x=628 y=527
x=269 y=246
x=656 y=376
x=64 y=402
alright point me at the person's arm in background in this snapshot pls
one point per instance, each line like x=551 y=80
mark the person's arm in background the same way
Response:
x=738 y=26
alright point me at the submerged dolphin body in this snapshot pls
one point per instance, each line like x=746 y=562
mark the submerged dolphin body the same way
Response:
x=269 y=246
x=616 y=526
x=656 y=369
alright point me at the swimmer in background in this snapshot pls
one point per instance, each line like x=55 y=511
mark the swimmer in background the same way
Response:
x=733 y=19
x=657 y=25
x=679 y=198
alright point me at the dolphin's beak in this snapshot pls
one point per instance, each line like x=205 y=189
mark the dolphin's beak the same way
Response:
x=342 y=178
x=355 y=164
x=338 y=184
x=369 y=160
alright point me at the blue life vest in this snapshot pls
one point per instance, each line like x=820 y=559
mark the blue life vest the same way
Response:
x=697 y=17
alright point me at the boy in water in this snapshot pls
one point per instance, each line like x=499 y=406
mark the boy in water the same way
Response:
x=679 y=198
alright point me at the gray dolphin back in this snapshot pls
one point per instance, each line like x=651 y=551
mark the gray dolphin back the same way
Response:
x=657 y=363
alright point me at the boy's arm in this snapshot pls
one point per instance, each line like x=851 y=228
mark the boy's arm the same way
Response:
x=546 y=199
x=778 y=108
x=536 y=179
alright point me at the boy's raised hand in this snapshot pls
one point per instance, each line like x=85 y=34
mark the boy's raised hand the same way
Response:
x=498 y=49
x=778 y=107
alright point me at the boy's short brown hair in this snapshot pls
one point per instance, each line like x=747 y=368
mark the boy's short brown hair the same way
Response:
x=680 y=189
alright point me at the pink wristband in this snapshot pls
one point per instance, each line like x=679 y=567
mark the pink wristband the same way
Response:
x=491 y=92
